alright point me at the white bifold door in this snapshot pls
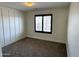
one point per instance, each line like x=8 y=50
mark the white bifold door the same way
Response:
x=11 y=25
x=1 y=30
x=6 y=25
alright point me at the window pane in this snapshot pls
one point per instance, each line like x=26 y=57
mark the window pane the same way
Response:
x=47 y=24
x=38 y=23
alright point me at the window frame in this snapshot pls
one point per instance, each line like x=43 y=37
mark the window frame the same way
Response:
x=42 y=23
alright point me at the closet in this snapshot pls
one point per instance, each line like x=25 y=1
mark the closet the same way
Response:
x=11 y=25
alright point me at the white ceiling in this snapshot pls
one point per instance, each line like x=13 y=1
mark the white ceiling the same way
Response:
x=36 y=5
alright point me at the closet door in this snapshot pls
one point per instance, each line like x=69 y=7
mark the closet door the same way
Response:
x=17 y=25
x=1 y=30
x=6 y=25
x=21 y=22
x=12 y=24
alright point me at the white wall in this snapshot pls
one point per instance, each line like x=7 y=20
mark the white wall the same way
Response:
x=11 y=25
x=59 y=28
x=73 y=30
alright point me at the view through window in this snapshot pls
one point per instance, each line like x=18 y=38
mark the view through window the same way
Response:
x=43 y=23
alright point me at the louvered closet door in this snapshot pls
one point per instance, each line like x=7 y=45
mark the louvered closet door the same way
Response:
x=12 y=25
x=1 y=30
x=17 y=25
x=6 y=26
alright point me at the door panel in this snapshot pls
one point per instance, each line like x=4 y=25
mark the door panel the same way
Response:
x=21 y=22
x=12 y=25
x=17 y=25
x=6 y=25
x=1 y=30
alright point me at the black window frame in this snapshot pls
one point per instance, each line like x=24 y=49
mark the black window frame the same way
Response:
x=42 y=23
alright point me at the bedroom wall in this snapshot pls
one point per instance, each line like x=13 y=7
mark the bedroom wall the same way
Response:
x=59 y=28
x=11 y=25
x=73 y=30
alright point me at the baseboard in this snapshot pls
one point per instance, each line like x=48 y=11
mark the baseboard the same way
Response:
x=33 y=38
x=43 y=40
x=48 y=39
x=13 y=42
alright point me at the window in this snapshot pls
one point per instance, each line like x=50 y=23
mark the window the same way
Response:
x=43 y=23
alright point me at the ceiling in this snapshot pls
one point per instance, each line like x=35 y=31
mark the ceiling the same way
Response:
x=36 y=5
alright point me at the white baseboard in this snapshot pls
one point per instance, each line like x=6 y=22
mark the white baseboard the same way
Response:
x=46 y=40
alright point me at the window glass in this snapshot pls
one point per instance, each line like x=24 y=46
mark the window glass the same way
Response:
x=39 y=23
x=47 y=23
x=43 y=23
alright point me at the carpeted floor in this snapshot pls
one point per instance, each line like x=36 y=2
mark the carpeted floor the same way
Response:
x=30 y=47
